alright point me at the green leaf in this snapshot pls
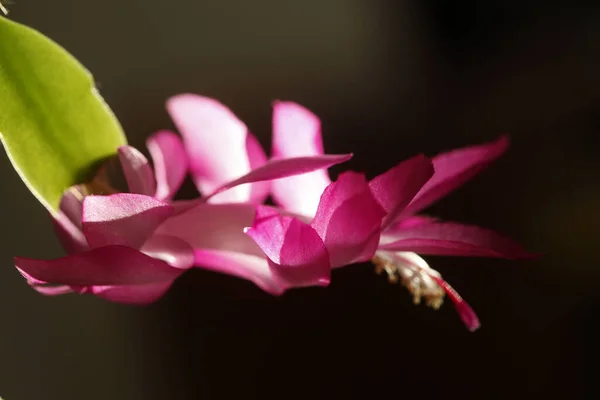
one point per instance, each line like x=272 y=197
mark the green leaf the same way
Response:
x=54 y=125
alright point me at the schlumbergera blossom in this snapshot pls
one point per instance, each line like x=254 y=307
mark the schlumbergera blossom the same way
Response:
x=322 y=225
x=130 y=247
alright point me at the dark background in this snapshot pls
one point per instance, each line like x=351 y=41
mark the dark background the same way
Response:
x=389 y=79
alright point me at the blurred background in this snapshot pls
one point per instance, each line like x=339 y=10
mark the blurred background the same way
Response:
x=389 y=79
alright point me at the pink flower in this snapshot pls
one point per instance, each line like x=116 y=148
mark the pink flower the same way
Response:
x=130 y=247
x=329 y=225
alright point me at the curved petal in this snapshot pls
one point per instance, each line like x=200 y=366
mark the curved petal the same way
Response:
x=137 y=170
x=214 y=226
x=395 y=188
x=250 y=267
x=348 y=220
x=453 y=169
x=133 y=294
x=296 y=253
x=297 y=133
x=259 y=191
x=70 y=236
x=122 y=219
x=172 y=250
x=215 y=141
x=110 y=265
x=452 y=239
x=170 y=163
x=284 y=167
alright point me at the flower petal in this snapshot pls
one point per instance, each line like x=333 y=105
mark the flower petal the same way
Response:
x=70 y=236
x=110 y=265
x=395 y=188
x=297 y=133
x=122 y=219
x=172 y=250
x=259 y=191
x=137 y=170
x=348 y=220
x=214 y=226
x=170 y=163
x=296 y=253
x=453 y=239
x=464 y=310
x=133 y=294
x=215 y=141
x=453 y=169
x=284 y=167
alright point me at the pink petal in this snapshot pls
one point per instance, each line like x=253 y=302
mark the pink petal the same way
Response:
x=69 y=235
x=124 y=219
x=410 y=222
x=296 y=253
x=52 y=290
x=133 y=294
x=214 y=226
x=250 y=267
x=348 y=220
x=297 y=133
x=281 y=168
x=170 y=163
x=452 y=239
x=259 y=191
x=395 y=188
x=453 y=169
x=172 y=250
x=138 y=173
x=216 y=144
x=110 y=265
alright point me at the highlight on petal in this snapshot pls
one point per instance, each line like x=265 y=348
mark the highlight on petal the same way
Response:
x=349 y=220
x=395 y=188
x=110 y=265
x=453 y=239
x=296 y=253
x=214 y=226
x=170 y=163
x=453 y=169
x=172 y=250
x=285 y=167
x=297 y=133
x=215 y=141
x=122 y=219
x=137 y=170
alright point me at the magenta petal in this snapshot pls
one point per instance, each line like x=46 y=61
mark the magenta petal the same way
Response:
x=214 y=226
x=70 y=236
x=110 y=265
x=172 y=250
x=395 y=188
x=137 y=170
x=297 y=133
x=452 y=239
x=410 y=222
x=453 y=169
x=125 y=219
x=133 y=294
x=259 y=191
x=215 y=141
x=52 y=290
x=170 y=163
x=281 y=168
x=296 y=253
x=348 y=220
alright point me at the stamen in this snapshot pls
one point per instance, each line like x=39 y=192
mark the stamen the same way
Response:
x=3 y=9
x=423 y=282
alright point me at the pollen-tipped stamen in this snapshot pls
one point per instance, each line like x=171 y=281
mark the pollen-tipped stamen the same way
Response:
x=423 y=282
